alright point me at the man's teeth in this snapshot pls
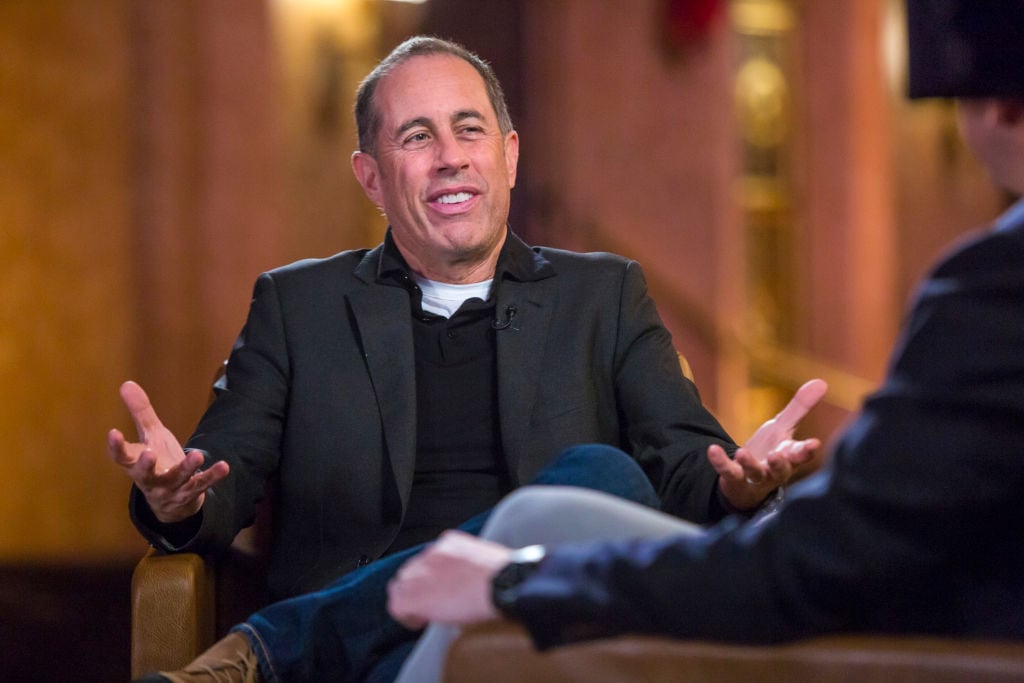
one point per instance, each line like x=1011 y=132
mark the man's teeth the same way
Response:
x=454 y=198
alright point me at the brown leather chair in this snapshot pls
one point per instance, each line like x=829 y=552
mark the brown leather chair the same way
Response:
x=501 y=652
x=182 y=603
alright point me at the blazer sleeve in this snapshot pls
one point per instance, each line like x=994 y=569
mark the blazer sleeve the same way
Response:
x=666 y=425
x=243 y=426
x=900 y=533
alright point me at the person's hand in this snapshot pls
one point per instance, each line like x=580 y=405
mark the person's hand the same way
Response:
x=771 y=456
x=449 y=582
x=169 y=478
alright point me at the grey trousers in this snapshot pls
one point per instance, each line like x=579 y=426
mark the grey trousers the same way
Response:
x=546 y=515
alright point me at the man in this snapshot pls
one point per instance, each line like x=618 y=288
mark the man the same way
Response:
x=913 y=526
x=396 y=392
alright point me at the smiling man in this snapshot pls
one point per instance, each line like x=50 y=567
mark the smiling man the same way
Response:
x=441 y=171
x=396 y=392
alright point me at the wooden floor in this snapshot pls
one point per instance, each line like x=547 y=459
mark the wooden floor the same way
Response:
x=64 y=624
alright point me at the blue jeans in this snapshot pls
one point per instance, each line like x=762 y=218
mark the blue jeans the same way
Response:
x=344 y=633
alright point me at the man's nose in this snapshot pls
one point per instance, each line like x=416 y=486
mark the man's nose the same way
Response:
x=451 y=155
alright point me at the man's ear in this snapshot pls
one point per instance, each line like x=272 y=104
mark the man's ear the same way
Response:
x=512 y=156
x=368 y=174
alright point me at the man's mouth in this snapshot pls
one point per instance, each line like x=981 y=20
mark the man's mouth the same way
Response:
x=454 y=198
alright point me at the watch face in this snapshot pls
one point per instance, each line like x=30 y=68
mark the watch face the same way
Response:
x=511 y=575
x=523 y=563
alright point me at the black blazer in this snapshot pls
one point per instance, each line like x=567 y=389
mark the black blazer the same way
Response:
x=916 y=526
x=319 y=396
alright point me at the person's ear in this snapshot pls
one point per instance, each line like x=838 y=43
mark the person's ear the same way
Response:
x=368 y=174
x=512 y=156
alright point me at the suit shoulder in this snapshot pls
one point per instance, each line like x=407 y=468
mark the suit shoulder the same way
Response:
x=563 y=259
x=336 y=268
x=986 y=251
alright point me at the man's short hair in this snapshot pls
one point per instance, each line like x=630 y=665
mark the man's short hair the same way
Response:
x=367 y=116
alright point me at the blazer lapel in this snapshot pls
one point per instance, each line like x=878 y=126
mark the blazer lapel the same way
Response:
x=520 y=348
x=382 y=316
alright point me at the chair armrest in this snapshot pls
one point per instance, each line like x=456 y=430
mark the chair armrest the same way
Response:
x=172 y=611
x=502 y=652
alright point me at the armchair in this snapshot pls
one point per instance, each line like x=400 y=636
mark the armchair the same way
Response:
x=180 y=604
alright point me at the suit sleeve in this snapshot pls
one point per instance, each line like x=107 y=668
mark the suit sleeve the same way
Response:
x=891 y=537
x=666 y=424
x=242 y=426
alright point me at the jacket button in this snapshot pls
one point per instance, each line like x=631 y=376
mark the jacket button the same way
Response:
x=362 y=561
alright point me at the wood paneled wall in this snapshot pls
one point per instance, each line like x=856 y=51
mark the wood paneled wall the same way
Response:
x=156 y=156
x=139 y=198
x=67 y=313
x=635 y=151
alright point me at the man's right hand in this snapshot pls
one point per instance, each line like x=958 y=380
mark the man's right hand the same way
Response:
x=171 y=480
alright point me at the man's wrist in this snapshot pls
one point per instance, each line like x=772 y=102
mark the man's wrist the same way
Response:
x=772 y=503
x=506 y=583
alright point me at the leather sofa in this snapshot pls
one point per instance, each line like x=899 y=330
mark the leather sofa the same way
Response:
x=501 y=652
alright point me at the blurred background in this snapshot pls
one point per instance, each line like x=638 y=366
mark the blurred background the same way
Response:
x=756 y=156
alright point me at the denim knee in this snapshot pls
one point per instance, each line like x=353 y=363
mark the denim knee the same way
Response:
x=602 y=468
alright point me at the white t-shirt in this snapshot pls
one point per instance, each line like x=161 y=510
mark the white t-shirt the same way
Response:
x=444 y=299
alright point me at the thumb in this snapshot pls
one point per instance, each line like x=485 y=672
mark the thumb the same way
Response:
x=805 y=398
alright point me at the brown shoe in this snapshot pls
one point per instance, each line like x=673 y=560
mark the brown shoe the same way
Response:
x=229 y=660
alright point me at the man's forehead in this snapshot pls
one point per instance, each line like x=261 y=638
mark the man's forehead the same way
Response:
x=457 y=88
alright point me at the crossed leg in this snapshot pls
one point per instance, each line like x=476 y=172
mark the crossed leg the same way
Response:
x=547 y=515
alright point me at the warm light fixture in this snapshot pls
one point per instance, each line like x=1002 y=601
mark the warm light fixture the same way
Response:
x=333 y=4
x=894 y=47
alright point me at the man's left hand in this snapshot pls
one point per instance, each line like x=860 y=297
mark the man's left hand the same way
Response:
x=771 y=456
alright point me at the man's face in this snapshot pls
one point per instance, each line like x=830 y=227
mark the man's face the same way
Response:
x=442 y=170
x=994 y=130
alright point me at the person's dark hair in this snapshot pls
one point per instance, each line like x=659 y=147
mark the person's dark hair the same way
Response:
x=367 y=116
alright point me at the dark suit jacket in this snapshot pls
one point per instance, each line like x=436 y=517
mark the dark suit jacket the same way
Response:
x=917 y=526
x=319 y=395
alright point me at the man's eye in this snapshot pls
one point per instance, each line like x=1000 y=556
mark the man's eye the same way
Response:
x=417 y=139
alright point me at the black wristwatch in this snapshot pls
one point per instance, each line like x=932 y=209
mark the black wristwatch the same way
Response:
x=522 y=563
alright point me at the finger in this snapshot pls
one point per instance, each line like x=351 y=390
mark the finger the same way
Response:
x=779 y=469
x=805 y=398
x=117 y=448
x=145 y=462
x=205 y=479
x=723 y=464
x=142 y=412
x=172 y=481
x=754 y=470
x=800 y=452
x=398 y=606
x=183 y=472
x=412 y=623
x=135 y=459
